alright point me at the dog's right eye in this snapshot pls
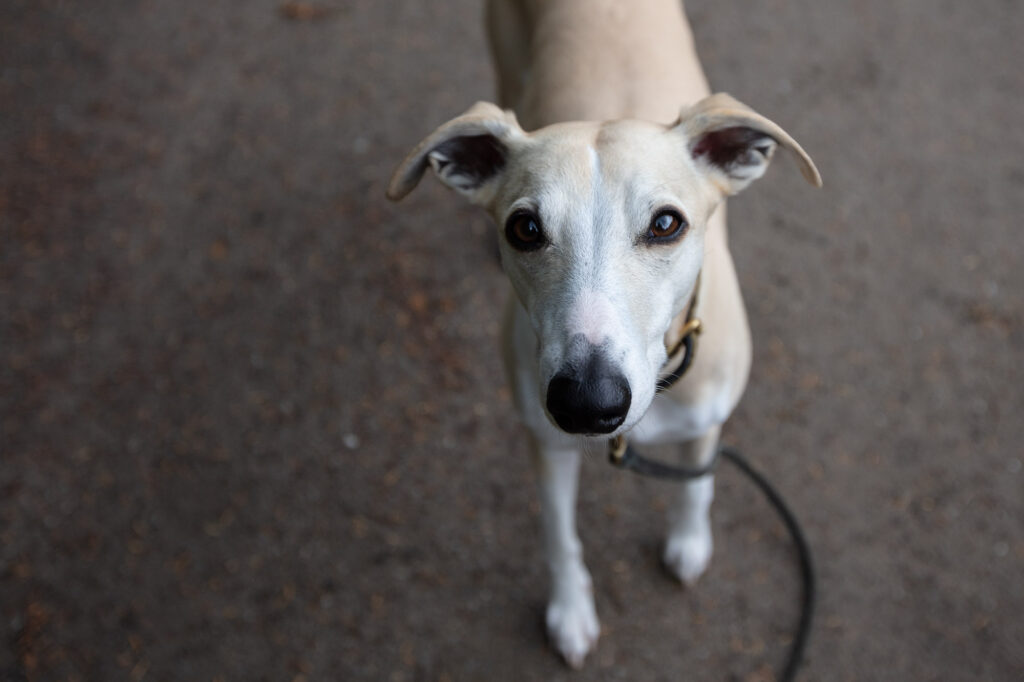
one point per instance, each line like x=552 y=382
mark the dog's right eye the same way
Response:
x=523 y=231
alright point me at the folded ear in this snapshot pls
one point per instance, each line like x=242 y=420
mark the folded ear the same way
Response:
x=467 y=153
x=735 y=144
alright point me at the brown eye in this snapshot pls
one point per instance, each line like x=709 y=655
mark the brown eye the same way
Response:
x=666 y=226
x=523 y=231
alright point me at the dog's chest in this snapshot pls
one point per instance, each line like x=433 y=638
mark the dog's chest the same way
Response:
x=668 y=421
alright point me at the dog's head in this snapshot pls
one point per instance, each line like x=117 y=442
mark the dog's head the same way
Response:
x=601 y=227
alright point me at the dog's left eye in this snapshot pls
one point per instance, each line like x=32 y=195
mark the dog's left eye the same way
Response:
x=667 y=225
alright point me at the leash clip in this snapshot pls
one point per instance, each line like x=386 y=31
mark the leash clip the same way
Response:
x=617 y=450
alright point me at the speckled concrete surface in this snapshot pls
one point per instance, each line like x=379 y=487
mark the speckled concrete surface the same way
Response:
x=250 y=421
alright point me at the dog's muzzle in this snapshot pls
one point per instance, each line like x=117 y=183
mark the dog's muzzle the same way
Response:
x=589 y=398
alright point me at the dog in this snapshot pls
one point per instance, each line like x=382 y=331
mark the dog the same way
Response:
x=612 y=231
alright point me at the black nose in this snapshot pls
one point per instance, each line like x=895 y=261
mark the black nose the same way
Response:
x=592 y=398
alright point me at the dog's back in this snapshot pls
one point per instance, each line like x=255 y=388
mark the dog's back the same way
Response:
x=565 y=60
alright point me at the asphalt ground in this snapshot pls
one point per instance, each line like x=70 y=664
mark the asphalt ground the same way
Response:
x=253 y=420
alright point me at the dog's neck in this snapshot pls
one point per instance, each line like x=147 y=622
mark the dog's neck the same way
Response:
x=613 y=60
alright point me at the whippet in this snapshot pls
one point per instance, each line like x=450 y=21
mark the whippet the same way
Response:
x=611 y=224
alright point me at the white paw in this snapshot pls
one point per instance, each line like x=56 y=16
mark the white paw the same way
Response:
x=572 y=624
x=687 y=556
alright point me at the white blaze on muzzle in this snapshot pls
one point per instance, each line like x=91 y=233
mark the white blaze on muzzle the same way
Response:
x=593 y=316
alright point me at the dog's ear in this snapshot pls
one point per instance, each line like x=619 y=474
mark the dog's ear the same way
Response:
x=735 y=144
x=467 y=153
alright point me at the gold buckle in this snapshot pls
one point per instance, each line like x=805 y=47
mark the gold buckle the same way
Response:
x=694 y=326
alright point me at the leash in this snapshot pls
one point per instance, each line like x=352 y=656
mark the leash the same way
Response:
x=622 y=456
x=630 y=460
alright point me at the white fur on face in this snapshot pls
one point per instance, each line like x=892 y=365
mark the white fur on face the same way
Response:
x=595 y=189
x=593 y=316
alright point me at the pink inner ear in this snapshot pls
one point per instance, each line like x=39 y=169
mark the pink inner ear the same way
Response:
x=731 y=146
x=476 y=157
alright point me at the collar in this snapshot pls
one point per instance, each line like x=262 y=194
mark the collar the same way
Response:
x=686 y=346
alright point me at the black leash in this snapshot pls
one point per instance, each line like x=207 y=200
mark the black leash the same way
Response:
x=621 y=455
x=803 y=552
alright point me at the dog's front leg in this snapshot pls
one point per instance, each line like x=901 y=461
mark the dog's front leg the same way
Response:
x=688 y=546
x=571 y=619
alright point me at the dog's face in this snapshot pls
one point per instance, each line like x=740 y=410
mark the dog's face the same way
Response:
x=601 y=230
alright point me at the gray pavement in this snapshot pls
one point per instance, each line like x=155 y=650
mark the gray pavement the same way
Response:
x=252 y=418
